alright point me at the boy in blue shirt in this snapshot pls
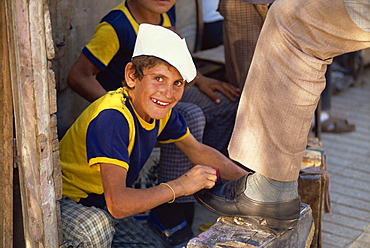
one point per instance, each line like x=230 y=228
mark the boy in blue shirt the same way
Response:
x=105 y=149
x=99 y=69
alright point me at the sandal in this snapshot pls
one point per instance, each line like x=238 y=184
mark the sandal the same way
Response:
x=336 y=125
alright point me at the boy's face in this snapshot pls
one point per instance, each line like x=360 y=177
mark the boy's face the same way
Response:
x=157 y=6
x=157 y=92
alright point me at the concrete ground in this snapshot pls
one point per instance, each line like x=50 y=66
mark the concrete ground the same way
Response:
x=348 y=157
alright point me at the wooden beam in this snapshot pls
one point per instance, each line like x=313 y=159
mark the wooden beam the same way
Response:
x=6 y=131
x=34 y=134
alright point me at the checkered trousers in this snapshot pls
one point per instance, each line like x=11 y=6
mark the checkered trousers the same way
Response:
x=95 y=228
x=220 y=117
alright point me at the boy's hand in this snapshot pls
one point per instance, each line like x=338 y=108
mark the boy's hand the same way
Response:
x=197 y=178
x=208 y=85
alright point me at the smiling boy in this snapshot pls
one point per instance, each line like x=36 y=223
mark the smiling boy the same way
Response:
x=105 y=149
x=209 y=107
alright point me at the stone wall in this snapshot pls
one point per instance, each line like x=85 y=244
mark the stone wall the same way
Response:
x=73 y=24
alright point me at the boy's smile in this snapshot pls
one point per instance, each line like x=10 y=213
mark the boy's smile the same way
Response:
x=157 y=92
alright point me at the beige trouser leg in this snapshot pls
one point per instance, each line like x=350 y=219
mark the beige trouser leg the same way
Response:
x=285 y=81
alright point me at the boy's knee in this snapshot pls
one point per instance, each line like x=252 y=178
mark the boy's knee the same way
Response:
x=86 y=226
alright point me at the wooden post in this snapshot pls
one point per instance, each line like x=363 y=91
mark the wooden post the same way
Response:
x=34 y=105
x=6 y=131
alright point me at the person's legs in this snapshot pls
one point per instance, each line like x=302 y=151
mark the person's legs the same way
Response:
x=130 y=233
x=94 y=227
x=297 y=42
x=220 y=118
x=242 y=25
x=85 y=226
x=276 y=108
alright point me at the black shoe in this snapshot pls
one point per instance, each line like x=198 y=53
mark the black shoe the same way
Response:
x=228 y=199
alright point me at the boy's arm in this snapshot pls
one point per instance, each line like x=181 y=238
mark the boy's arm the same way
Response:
x=123 y=201
x=81 y=78
x=202 y=154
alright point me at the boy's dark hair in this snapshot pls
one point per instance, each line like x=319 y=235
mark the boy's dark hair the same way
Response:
x=139 y=63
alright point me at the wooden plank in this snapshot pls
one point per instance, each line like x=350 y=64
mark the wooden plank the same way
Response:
x=237 y=232
x=6 y=133
x=32 y=119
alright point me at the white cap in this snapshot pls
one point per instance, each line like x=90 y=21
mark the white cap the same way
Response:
x=161 y=42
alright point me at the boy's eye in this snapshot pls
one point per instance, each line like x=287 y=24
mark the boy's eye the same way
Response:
x=159 y=79
x=179 y=83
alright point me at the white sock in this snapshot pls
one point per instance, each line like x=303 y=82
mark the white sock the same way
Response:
x=264 y=189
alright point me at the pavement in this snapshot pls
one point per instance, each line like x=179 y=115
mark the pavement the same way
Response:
x=348 y=158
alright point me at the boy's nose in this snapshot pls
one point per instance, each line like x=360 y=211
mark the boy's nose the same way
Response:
x=167 y=90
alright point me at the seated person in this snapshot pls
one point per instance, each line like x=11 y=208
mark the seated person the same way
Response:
x=104 y=150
